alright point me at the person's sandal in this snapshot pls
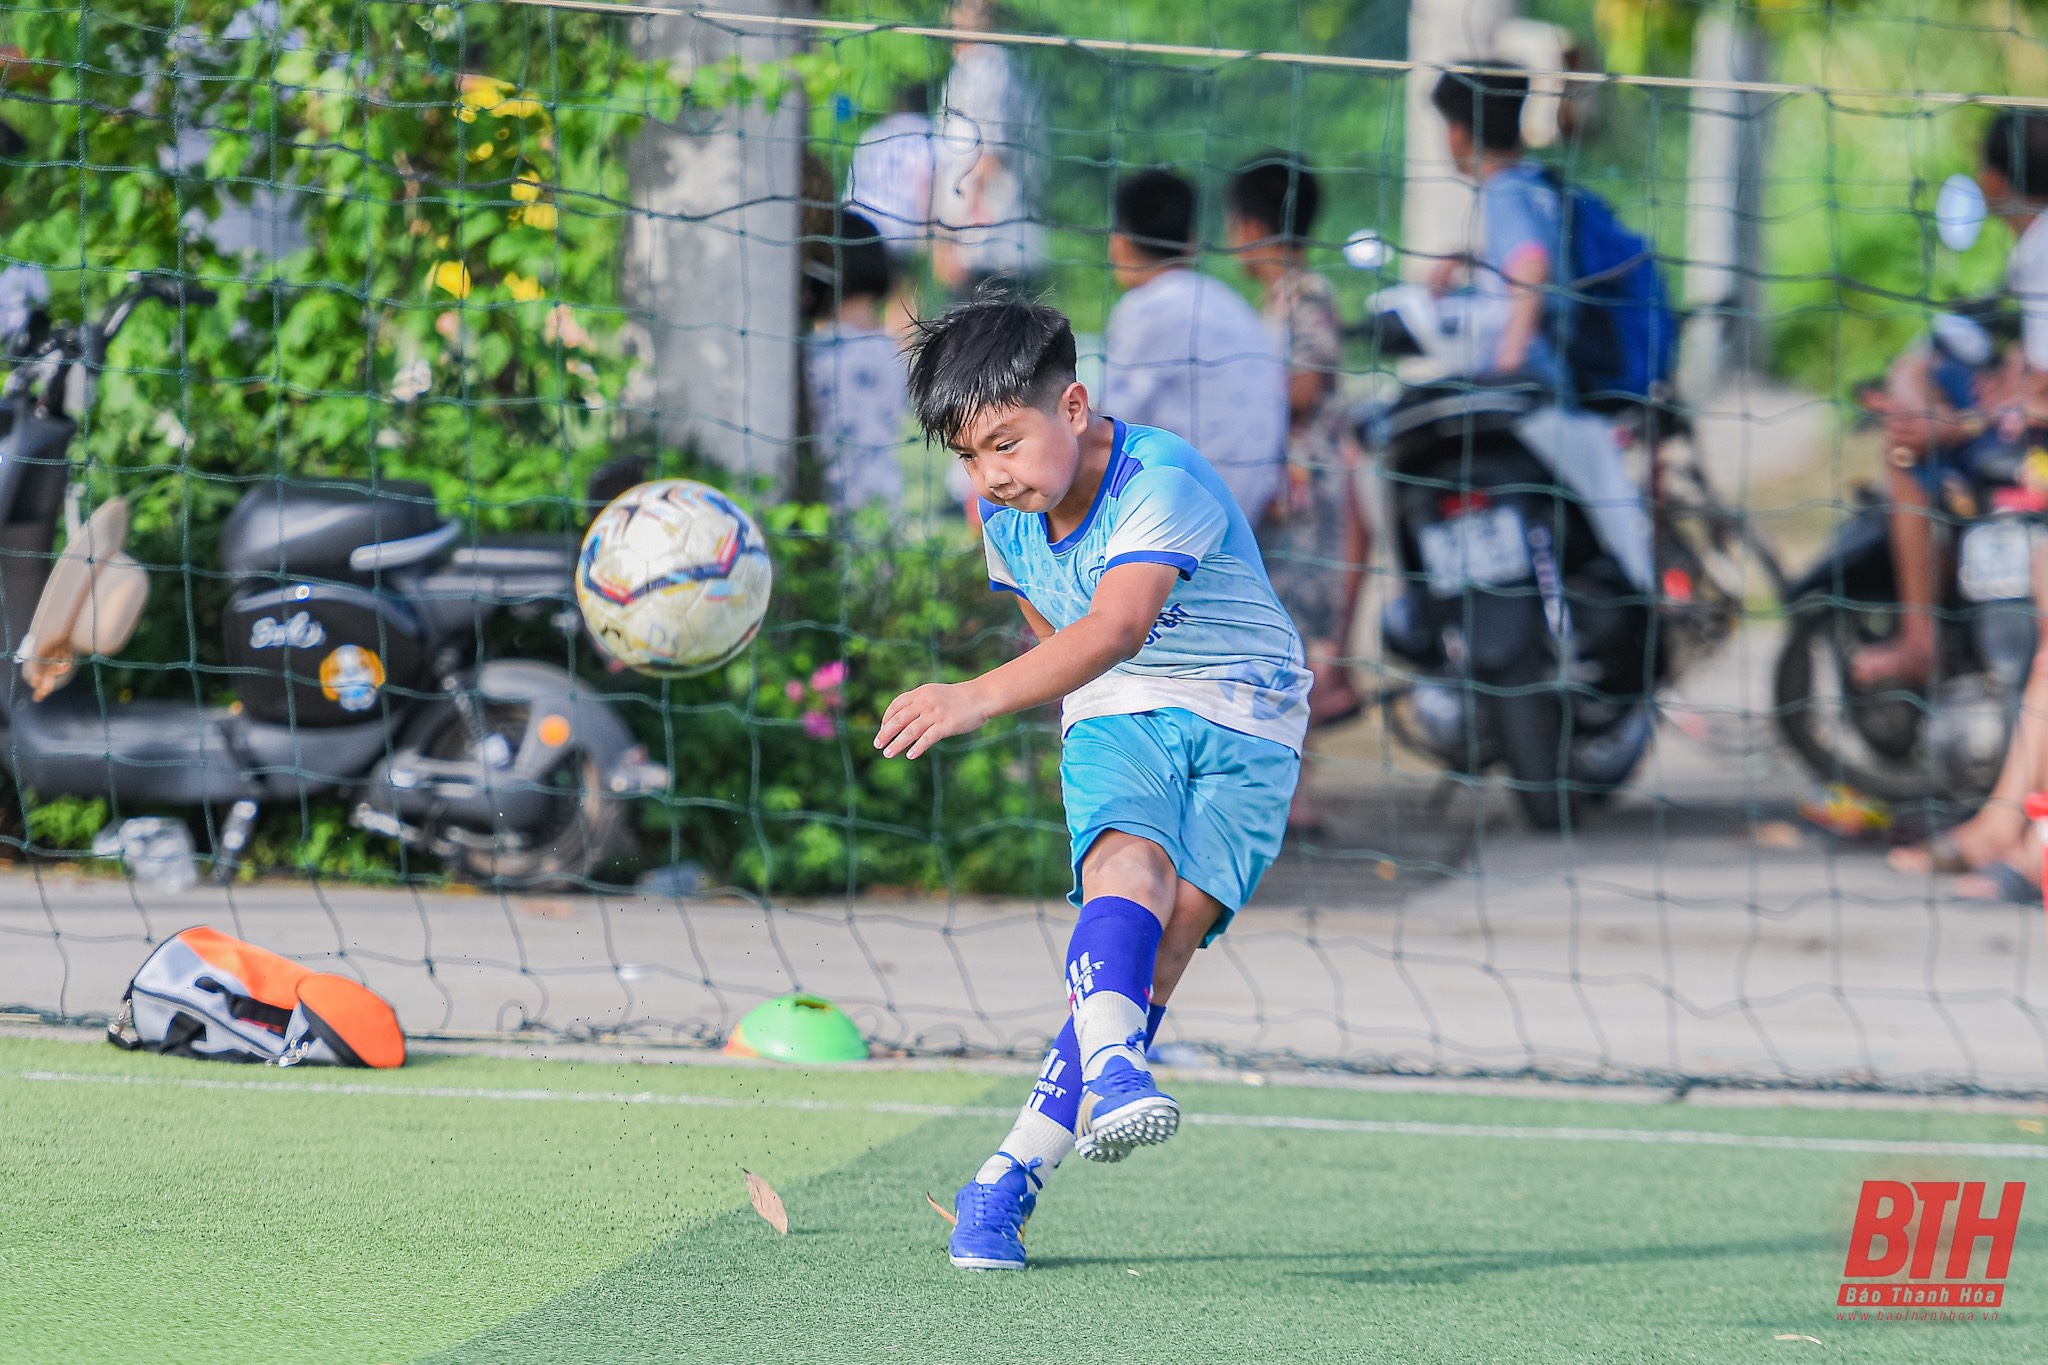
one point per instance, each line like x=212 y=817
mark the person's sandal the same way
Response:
x=2009 y=885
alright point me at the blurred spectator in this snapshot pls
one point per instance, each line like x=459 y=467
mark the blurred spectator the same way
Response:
x=1522 y=239
x=987 y=166
x=890 y=185
x=1948 y=424
x=890 y=181
x=1314 y=535
x=1935 y=422
x=1185 y=352
x=854 y=377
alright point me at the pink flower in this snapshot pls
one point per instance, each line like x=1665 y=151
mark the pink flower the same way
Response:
x=829 y=676
x=818 y=725
x=793 y=689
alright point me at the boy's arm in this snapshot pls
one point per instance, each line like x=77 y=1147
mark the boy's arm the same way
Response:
x=1527 y=272
x=1127 y=603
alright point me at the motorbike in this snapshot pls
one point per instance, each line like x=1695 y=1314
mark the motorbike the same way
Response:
x=1535 y=640
x=351 y=642
x=1944 y=740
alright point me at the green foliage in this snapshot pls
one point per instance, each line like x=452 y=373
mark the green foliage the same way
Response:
x=778 y=783
x=451 y=314
x=1855 y=266
x=64 y=824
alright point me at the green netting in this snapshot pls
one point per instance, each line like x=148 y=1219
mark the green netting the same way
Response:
x=477 y=254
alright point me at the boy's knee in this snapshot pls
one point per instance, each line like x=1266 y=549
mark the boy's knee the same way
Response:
x=1128 y=865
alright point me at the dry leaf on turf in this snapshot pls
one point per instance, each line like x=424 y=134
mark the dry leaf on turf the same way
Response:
x=767 y=1203
x=941 y=1209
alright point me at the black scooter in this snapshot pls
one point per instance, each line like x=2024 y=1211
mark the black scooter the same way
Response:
x=351 y=641
x=1528 y=645
x=1530 y=648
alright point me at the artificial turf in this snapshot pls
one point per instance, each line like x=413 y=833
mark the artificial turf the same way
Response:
x=514 y=1212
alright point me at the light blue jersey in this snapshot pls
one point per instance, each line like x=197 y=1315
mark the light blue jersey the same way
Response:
x=1223 y=647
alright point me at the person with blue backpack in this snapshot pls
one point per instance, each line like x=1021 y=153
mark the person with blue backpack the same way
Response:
x=1580 y=306
x=1572 y=299
x=1522 y=244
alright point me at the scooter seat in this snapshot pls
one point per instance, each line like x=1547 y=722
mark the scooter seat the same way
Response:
x=294 y=529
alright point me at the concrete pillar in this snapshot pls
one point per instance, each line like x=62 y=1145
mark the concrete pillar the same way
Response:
x=711 y=258
x=1437 y=217
x=1723 y=237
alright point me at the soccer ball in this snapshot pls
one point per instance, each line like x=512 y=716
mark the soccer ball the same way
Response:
x=673 y=578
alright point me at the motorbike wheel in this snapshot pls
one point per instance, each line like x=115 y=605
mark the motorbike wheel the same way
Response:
x=1532 y=712
x=580 y=830
x=1872 y=743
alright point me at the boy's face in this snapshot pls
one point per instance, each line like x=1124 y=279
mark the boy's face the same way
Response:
x=1464 y=150
x=1132 y=264
x=1026 y=457
x=2001 y=200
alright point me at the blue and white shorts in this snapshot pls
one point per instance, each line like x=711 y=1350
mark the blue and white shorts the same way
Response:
x=1214 y=798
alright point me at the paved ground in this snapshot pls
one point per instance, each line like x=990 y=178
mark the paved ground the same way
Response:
x=1672 y=933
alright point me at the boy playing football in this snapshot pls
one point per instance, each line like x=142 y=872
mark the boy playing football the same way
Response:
x=1185 y=703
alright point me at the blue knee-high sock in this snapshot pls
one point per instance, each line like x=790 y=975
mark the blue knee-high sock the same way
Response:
x=1057 y=1091
x=1110 y=959
x=1154 y=1016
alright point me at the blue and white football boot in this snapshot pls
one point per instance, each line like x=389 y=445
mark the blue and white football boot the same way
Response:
x=1122 y=1110
x=989 y=1231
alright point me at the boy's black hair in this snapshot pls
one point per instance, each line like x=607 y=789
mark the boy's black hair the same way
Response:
x=994 y=351
x=1277 y=193
x=864 y=268
x=912 y=97
x=2016 y=146
x=1488 y=104
x=1155 y=209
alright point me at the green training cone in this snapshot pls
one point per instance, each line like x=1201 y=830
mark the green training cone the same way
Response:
x=798 y=1028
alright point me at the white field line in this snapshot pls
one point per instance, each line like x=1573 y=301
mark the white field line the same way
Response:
x=1674 y=1137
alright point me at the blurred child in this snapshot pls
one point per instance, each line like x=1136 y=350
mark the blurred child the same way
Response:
x=853 y=374
x=1523 y=251
x=890 y=184
x=1314 y=537
x=1185 y=353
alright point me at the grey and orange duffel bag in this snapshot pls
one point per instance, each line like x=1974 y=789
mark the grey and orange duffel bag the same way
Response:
x=205 y=994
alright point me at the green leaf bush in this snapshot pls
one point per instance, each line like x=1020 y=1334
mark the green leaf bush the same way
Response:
x=448 y=309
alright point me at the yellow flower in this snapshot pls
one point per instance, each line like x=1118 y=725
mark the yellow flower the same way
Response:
x=522 y=289
x=541 y=216
x=483 y=152
x=519 y=108
x=453 y=276
x=481 y=94
x=526 y=188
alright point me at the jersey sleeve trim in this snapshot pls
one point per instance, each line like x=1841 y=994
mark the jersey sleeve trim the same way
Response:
x=1185 y=565
x=994 y=586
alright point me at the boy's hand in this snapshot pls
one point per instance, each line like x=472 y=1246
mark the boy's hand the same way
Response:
x=925 y=715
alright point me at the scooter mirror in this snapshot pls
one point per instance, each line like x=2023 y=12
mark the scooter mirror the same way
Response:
x=1959 y=212
x=1363 y=250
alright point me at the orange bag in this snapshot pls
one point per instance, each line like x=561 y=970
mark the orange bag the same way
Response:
x=203 y=993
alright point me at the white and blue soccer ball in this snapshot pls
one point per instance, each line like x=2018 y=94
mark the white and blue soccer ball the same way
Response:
x=674 y=578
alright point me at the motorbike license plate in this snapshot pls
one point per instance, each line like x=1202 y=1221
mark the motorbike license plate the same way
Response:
x=1479 y=547
x=1996 y=561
